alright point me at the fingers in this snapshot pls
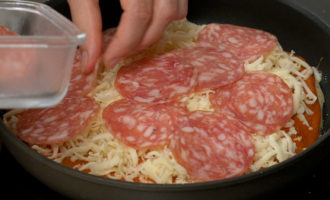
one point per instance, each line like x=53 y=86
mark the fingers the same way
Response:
x=164 y=12
x=86 y=15
x=182 y=9
x=142 y=23
x=132 y=27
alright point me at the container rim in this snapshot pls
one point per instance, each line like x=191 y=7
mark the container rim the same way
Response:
x=71 y=32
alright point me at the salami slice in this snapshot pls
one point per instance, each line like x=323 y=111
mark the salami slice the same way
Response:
x=142 y=126
x=215 y=67
x=213 y=146
x=80 y=83
x=6 y=31
x=247 y=43
x=157 y=79
x=261 y=100
x=16 y=64
x=56 y=124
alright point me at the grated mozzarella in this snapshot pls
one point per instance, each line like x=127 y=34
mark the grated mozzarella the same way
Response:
x=272 y=149
x=198 y=101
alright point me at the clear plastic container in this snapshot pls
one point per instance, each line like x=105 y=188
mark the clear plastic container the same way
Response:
x=35 y=67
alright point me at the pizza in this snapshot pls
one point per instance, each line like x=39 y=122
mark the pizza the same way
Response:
x=206 y=102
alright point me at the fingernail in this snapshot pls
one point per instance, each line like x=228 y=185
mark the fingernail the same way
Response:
x=84 y=60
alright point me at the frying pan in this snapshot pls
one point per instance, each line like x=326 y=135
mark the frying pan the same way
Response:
x=295 y=28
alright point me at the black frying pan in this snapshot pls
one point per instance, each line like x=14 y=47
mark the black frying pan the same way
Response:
x=295 y=28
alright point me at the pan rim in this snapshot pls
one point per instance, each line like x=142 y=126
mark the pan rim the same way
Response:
x=156 y=187
x=9 y=138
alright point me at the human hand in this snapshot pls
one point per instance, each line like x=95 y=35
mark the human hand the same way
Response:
x=142 y=23
x=87 y=16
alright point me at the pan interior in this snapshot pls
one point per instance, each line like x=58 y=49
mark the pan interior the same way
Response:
x=296 y=30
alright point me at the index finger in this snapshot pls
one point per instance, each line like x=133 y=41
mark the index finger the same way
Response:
x=132 y=27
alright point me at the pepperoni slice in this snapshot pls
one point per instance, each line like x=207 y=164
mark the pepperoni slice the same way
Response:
x=213 y=146
x=247 y=43
x=6 y=31
x=80 y=83
x=157 y=79
x=142 y=126
x=16 y=64
x=215 y=67
x=261 y=100
x=56 y=124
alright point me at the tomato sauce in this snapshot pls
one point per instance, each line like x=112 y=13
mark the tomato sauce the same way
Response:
x=306 y=137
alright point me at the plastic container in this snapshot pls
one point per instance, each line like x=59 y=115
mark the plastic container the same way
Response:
x=35 y=67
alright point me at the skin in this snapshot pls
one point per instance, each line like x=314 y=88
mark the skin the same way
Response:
x=147 y=19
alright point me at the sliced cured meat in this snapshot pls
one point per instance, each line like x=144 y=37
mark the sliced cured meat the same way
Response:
x=6 y=31
x=142 y=126
x=215 y=67
x=157 y=79
x=213 y=146
x=15 y=63
x=168 y=76
x=56 y=124
x=80 y=83
x=247 y=43
x=261 y=100
x=108 y=36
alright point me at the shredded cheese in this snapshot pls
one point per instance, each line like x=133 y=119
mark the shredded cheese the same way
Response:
x=99 y=153
x=272 y=149
x=198 y=101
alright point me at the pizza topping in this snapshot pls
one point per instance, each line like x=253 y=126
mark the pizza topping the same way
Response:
x=157 y=79
x=247 y=43
x=56 y=124
x=212 y=146
x=142 y=126
x=262 y=101
x=168 y=76
x=15 y=63
x=7 y=32
x=215 y=67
